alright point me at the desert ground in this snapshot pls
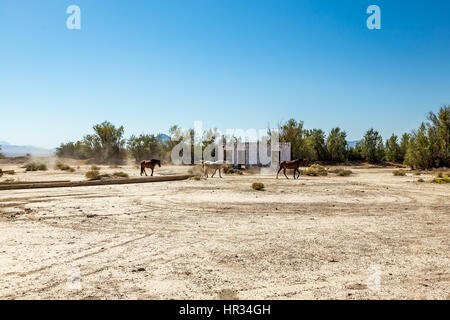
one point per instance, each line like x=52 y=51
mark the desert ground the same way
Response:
x=370 y=235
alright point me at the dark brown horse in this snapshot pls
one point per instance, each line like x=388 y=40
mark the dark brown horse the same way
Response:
x=149 y=164
x=294 y=164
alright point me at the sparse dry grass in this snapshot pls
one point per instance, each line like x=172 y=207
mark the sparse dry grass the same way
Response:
x=64 y=167
x=36 y=167
x=257 y=186
x=400 y=172
x=440 y=180
x=344 y=173
x=232 y=171
x=93 y=174
x=316 y=170
x=121 y=174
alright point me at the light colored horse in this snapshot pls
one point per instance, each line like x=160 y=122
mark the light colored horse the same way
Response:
x=217 y=165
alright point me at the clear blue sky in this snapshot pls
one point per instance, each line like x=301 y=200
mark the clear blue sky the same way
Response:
x=232 y=64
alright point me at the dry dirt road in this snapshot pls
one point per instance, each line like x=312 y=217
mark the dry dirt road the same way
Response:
x=367 y=236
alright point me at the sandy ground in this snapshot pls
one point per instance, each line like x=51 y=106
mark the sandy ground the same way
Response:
x=368 y=236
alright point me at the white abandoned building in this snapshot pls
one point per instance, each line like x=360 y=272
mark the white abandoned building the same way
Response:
x=254 y=153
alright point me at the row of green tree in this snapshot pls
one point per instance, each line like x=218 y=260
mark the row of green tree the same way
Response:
x=426 y=147
x=108 y=146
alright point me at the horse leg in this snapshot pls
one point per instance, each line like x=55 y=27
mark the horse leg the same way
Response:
x=214 y=173
x=152 y=172
x=144 y=171
x=284 y=171
x=279 y=171
x=219 y=173
x=299 y=172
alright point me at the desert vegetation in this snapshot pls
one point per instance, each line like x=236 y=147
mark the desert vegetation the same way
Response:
x=64 y=167
x=106 y=145
x=92 y=174
x=36 y=167
x=316 y=170
x=424 y=148
x=257 y=186
x=232 y=171
x=399 y=173
x=121 y=174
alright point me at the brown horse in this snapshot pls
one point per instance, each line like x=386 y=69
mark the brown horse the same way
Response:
x=294 y=164
x=149 y=164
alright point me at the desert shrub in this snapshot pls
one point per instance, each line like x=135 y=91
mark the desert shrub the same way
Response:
x=257 y=186
x=93 y=174
x=1 y=173
x=417 y=173
x=399 y=172
x=59 y=166
x=420 y=180
x=232 y=171
x=74 y=150
x=439 y=174
x=120 y=174
x=444 y=179
x=36 y=167
x=344 y=173
x=64 y=167
x=316 y=170
x=106 y=145
x=196 y=178
x=95 y=168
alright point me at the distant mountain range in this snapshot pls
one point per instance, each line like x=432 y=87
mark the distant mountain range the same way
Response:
x=352 y=144
x=10 y=150
x=164 y=137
